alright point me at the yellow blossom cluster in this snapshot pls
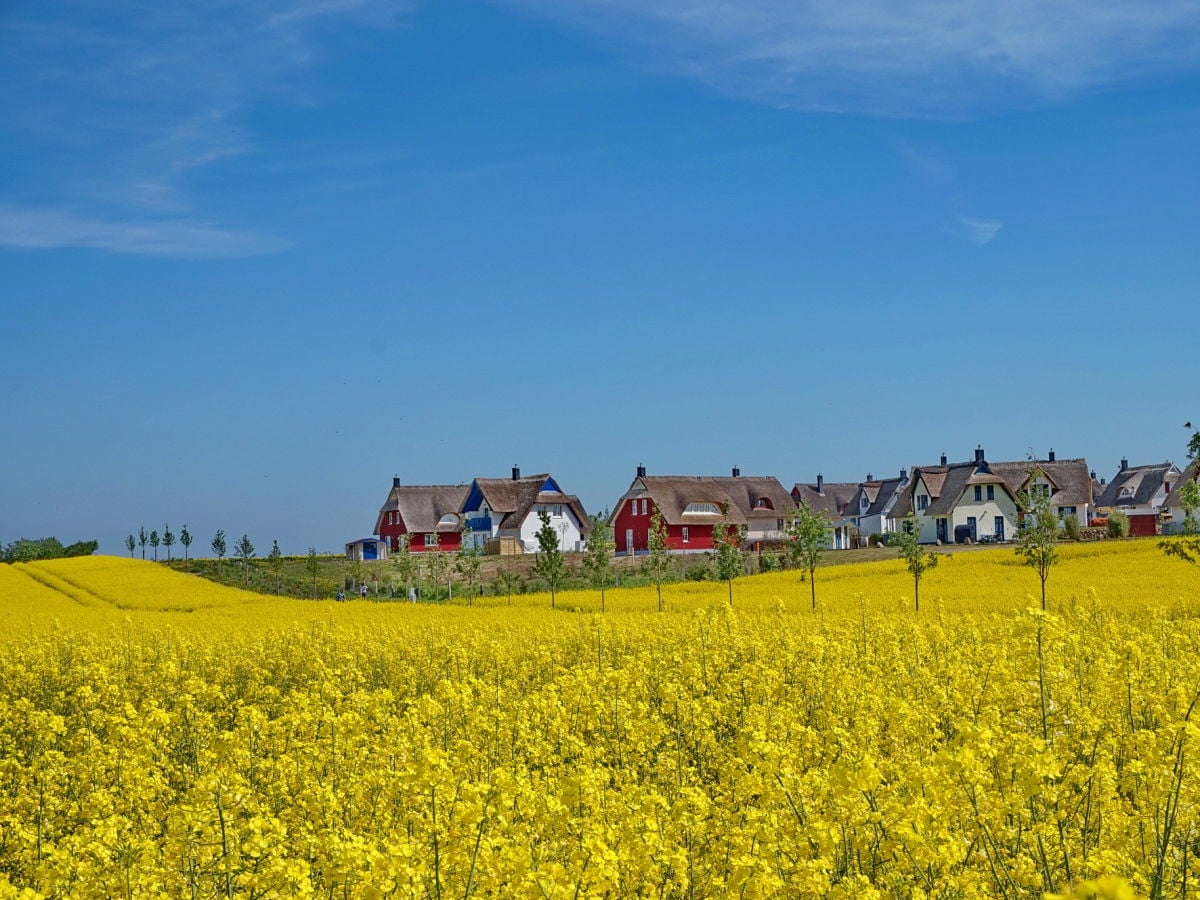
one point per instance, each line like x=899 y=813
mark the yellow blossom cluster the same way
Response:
x=161 y=736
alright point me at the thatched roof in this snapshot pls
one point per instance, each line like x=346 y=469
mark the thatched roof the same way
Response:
x=1142 y=481
x=833 y=497
x=422 y=507
x=879 y=494
x=750 y=498
x=512 y=499
x=1070 y=480
x=946 y=485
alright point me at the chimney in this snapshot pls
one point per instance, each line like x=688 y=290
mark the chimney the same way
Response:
x=820 y=484
x=870 y=477
x=1103 y=481
x=395 y=481
x=904 y=474
x=641 y=471
x=737 y=473
x=516 y=473
x=978 y=453
x=1051 y=457
x=1093 y=474
x=943 y=459
x=1124 y=463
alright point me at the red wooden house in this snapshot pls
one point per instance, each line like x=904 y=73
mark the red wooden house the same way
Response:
x=691 y=505
x=428 y=514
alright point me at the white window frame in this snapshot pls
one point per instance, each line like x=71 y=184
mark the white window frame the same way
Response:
x=431 y=539
x=685 y=534
x=702 y=508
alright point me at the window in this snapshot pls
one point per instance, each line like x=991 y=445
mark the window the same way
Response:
x=685 y=534
x=978 y=492
x=862 y=503
x=763 y=503
x=449 y=520
x=644 y=507
x=701 y=509
x=991 y=492
x=431 y=539
x=922 y=502
x=1126 y=492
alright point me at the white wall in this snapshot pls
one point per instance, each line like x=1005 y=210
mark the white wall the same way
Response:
x=561 y=519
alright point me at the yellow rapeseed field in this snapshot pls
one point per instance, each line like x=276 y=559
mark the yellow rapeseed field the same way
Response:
x=161 y=736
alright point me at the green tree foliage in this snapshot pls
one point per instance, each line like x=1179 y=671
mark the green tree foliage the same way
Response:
x=185 y=538
x=507 y=581
x=597 y=559
x=30 y=550
x=245 y=552
x=1038 y=534
x=658 y=557
x=168 y=539
x=1071 y=526
x=727 y=547
x=154 y=542
x=275 y=563
x=550 y=563
x=916 y=558
x=130 y=545
x=142 y=538
x=218 y=547
x=1187 y=545
x=1118 y=524
x=809 y=533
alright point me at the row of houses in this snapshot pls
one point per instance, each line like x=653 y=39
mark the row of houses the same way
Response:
x=975 y=500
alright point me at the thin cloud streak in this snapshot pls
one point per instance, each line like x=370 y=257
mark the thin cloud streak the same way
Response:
x=979 y=231
x=923 y=58
x=119 y=107
x=53 y=228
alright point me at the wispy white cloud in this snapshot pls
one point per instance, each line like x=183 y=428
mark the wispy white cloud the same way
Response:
x=118 y=109
x=942 y=58
x=979 y=231
x=182 y=237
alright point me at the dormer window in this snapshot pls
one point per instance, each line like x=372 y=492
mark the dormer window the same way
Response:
x=450 y=520
x=701 y=509
x=862 y=503
x=763 y=503
x=1127 y=491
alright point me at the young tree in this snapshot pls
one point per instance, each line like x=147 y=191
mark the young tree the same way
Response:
x=405 y=564
x=438 y=568
x=916 y=558
x=506 y=582
x=312 y=565
x=1037 y=536
x=245 y=552
x=154 y=542
x=658 y=556
x=142 y=540
x=275 y=563
x=168 y=539
x=727 y=543
x=549 y=563
x=218 y=547
x=185 y=538
x=467 y=562
x=130 y=545
x=597 y=560
x=809 y=533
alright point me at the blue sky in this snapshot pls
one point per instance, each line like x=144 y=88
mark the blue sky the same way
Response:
x=256 y=258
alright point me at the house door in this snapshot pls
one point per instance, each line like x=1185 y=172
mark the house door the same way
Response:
x=999 y=528
x=629 y=540
x=942 y=536
x=971 y=525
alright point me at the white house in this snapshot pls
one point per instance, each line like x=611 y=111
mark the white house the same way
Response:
x=503 y=513
x=871 y=505
x=833 y=498
x=958 y=502
x=1173 y=513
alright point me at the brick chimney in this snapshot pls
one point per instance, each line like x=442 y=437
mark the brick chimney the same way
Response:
x=516 y=473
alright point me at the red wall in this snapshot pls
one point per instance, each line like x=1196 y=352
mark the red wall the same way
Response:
x=699 y=536
x=416 y=540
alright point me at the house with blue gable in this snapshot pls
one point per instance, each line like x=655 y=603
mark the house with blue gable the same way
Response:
x=503 y=514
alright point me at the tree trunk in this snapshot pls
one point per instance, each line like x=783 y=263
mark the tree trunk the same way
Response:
x=812 y=585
